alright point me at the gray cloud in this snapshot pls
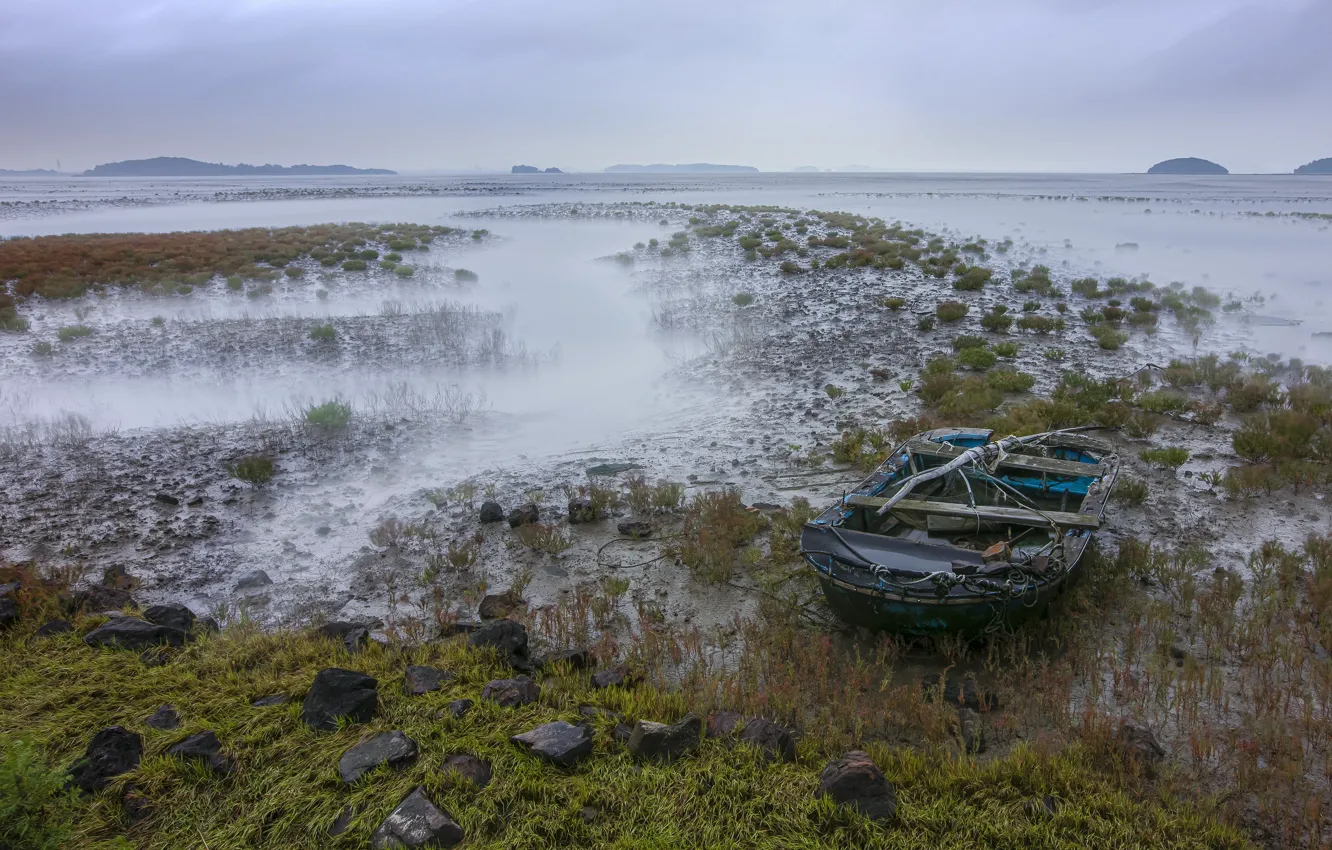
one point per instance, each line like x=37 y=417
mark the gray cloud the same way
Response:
x=1025 y=85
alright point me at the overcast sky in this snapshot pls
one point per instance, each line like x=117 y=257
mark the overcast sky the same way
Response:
x=1024 y=85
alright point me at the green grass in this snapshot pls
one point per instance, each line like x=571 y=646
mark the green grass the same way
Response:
x=72 y=332
x=329 y=415
x=323 y=333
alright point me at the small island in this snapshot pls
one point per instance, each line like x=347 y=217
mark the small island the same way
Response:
x=532 y=169
x=1318 y=166
x=690 y=168
x=1187 y=165
x=28 y=172
x=179 y=166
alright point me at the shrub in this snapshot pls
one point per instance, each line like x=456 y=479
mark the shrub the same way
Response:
x=1030 y=306
x=951 y=311
x=1107 y=337
x=979 y=359
x=69 y=332
x=790 y=267
x=393 y=257
x=973 y=280
x=543 y=537
x=465 y=276
x=1040 y=324
x=1010 y=380
x=36 y=805
x=1087 y=288
x=961 y=343
x=926 y=323
x=354 y=266
x=387 y=265
x=327 y=262
x=1143 y=305
x=834 y=391
x=330 y=415
x=236 y=284
x=157 y=321
x=42 y=349
x=1163 y=401
x=1006 y=349
x=1247 y=482
x=717 y=525
x=1131 y=490
x=404 y=271
x=1252 y=392
x=892 y=303
x=1171 y=458
x=255 y=470
x=997 y=322
x=1054 y=355
x=323 y=333
x=368 y=254
x=321 y=294
x=295 y=271
x=1281 y=435
x=742 y=299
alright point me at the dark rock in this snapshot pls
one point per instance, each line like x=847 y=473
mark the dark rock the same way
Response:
x=166 y=499
x=469 y=767
x=420 y=680
x=969 y=729
x=635 y=528
x=195 y=502
x=1178 y=653
x=9 y=612
x=129 y=633
x=165 y=719
x=1139 y=744
x=607 y=469
x=340 y=693
x=459 y=708
x=116 y=576
x=524 y=515
x=416 y=822
x=55 y=627
x=353 y=636
x=492 y=511
x=622 y=733
x=588 y=814
x=960 y=692
x=204 y=747
x=773 y=740
x=511 y=693
x=10 y=589
x=507 y=636
x=173 y=616
x=582 y=511
x=324 y=530
x=497 y=605
x=253 y=581
x=208 y=625
x=135 y=805
x=391 y=748
x=111 y=752
x=666 y=742
x=99 y=598
x=558 y=742
x=271 y=700
x=854 y=780
x=342 y=822
x=596 y=712
x=620 y=674
x=723 y=723
x=577 y=659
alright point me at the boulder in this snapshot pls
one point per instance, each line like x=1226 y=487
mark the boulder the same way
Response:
x=511 y=693
x=666 y=742
x=492 y=511
x=620 y=674
x=1139 y=744
x=559 y=742
x=391 y=748
x=459 y=627
x=497 y=605
x=174 y=616
x=129 y=633
x=116 y=576
x=635 y=528
x=203 y=747
x=418 y=680
x=723 y=724
x=55 y=627
x=459 y=708
x=507 y=636
x=524 y=515
x=164 y=719
x=9 y=612
x=253 y=581
x=271 y=700
x=581 y=511
x=416 y=822
x=166 y=499
x=469 y=767
x=622 y=733
x=340 y=693
x=771 y=739
x=111 y=752
x=577 y=659
x=101 y=598
x=855 y=781
x=353 y=636
x=960 y=692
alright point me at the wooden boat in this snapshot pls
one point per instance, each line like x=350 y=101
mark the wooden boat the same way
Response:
x=957 y=532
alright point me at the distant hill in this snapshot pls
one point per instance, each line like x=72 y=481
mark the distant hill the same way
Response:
x=1187 y=165
x=806 y=169
x=691 y=168
x=1318 y=166
x=532 y=169
x=177 y=166
x=28 y=172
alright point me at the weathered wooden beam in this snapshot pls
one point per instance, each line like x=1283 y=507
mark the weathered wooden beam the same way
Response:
x=986 y=513
x=1015 y=462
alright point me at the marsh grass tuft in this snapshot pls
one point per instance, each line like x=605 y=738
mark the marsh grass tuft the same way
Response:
x=255 y=470
x=329 y=416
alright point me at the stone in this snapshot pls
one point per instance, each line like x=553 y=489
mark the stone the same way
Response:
x=469 y=767
x=174 y=616
x=507 y=636
x=209 y=626
x=576 y=659
x=164 y=719
x=511 y=693
x=855 y=781
x=204 y=747
x=10 y=589
x=55 y=627
x=620 y=674
x=666 y=742
x=1139 y=744
x=723 y=724
x=588 y=814
x=622 y=733
x=391 y=748
x=497 y=605
x=9 y=612
x=635 y=528
x=1178 y=653
x=353 y=636
x=253 y=581
x=771 y=739
x=342 y=822
x=129 y=633
x=100 y=598
x=582 y=511
x=596 y=712
x=969 y=729
x=340 y=693
x=418 y=680
x=491 y=511
x=524 y=515
x=459 y=708
x=271 y=700
x=166 y=499
x=112 y=751
x=960 y=692
x=559 y=742
x=416 y=822
x=459 y=627
x=117 y=577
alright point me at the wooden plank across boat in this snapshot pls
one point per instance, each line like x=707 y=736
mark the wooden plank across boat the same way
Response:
x=959 y=532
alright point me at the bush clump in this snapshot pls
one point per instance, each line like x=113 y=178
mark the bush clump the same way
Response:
x=892 y=303
x=404 y=271
x=951 y=311
x=465 y=276
x=70 y=332
x=255 y=470
x=1010 y=380
x=742 y=299
x=1040 y=324
x=36 y=803
x=979 y=359
x=1107 y=337
x=323 y=333
x=1170 y=458
x=354 y=266
x=329 y=416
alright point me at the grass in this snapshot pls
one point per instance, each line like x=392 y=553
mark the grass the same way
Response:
x=331 y=415
x=42 y=349
x=1169 y=458
x=742 y=299
x=1130 y=490
x=255 y=470
x=323 y=333
x=951 y=311
x=354 y=266
x=543 y=537
x=892 y=303
x=717 y=529
x=465 y=276
x=72 y=332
